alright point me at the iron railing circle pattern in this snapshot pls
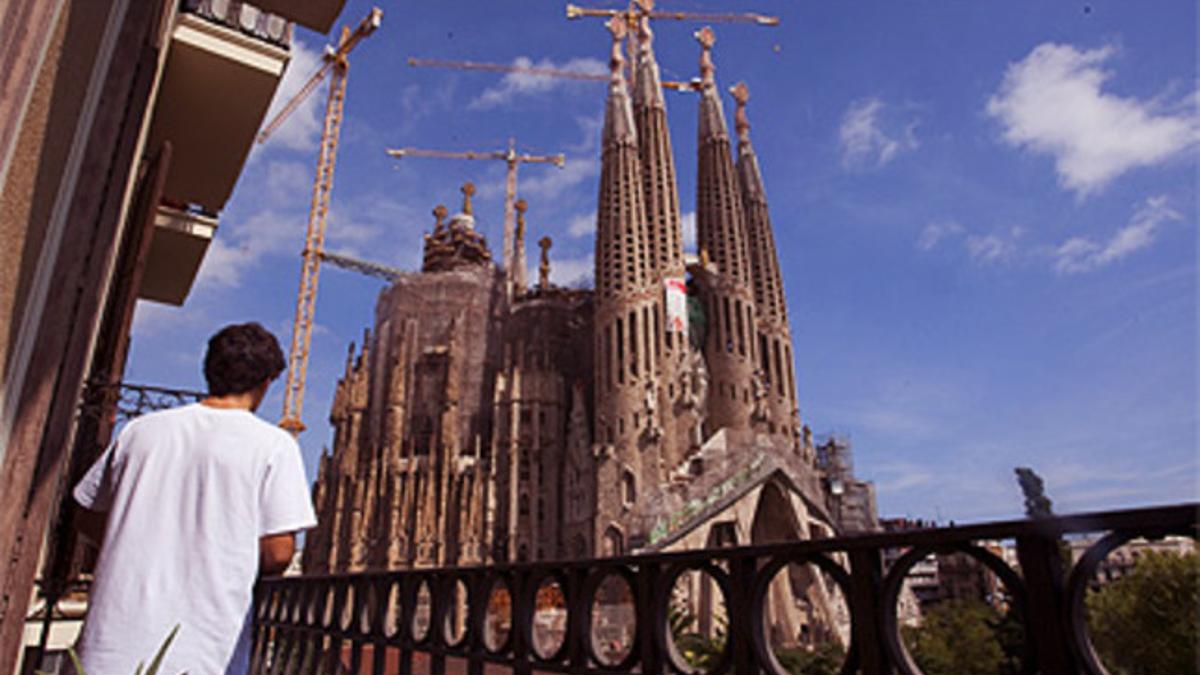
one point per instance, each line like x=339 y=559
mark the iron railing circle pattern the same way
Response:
x=445 y=601
x=662 y=625
x=591 y=586
x=536 y=581
x=1077 y=587
x=299 y=620
x=895 y=581
x=491 y=582
x=762 y=585
x=420 y=637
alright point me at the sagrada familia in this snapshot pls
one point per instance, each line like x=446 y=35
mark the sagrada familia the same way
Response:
x=488 y=420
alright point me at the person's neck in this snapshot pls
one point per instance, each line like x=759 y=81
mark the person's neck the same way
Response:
x=243 y=401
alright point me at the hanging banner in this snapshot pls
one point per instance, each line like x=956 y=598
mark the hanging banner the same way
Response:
x=677 y=315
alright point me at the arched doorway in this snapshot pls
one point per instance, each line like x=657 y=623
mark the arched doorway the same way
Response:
x=797 y=608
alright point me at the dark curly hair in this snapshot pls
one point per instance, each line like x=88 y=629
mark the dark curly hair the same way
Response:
x=240 y=357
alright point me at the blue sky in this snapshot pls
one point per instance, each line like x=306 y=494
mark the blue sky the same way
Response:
x=985 y=212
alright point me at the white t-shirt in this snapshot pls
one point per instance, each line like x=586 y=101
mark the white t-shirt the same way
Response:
x=188 y=493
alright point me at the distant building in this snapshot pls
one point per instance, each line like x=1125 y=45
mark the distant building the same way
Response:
x=483 y=420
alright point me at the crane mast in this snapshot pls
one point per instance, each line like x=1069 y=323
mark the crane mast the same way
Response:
x=337 y=65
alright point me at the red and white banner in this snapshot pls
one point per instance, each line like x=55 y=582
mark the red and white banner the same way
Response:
x=677 y=308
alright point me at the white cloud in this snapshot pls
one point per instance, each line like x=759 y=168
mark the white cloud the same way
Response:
x=522 y=84
x=550 y=183
x=934 y=233
x=1052 y=102
x=582 y=225
x=572 y=272
x=1080 y=254
x=864 y=140
x=288 y=181
x=993 y=248
x=232 y=254
x=687 y=222
x=418 y=103
x=302 y=129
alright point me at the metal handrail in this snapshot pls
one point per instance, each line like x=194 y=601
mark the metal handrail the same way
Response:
x=306 y=622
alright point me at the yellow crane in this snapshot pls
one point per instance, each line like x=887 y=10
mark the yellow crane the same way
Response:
x=514 y=251
x=335 y=61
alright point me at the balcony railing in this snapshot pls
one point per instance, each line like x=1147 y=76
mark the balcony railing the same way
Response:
x=545 y=617
x=243 y=17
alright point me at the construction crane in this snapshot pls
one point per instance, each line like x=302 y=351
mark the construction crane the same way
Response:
x=644 y=9
x=336 y=61
x=513 y=259
x=537 y=71
x=365 y=267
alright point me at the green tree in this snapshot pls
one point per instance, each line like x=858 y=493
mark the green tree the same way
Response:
x=1149 y=620
x=961 y=637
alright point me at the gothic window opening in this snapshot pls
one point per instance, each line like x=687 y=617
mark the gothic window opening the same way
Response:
x=629 y=487
x=633 y=343
x=620 y=352
x=778 y=370
x=614 y=541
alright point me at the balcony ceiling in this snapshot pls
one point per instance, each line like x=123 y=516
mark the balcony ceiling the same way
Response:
x=214 y=94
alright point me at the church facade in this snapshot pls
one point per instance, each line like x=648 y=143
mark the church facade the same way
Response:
x=483 y=420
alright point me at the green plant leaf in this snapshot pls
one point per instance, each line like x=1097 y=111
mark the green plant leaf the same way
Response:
x=162 y=652
x=75 y=661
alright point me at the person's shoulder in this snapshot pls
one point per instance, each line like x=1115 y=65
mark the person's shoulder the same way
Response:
x=271 y=433
x=157 y=418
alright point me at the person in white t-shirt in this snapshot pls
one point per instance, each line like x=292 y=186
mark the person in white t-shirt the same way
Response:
x=190 y=506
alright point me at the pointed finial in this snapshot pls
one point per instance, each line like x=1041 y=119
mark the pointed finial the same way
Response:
x=741 y=94
x=521 y=206
x=468 y=189
x=707 y=39
x=645 y=35
x=616 y=26
x=439 y=215
x=704 y=259
x=350 y=357
x=544 y=267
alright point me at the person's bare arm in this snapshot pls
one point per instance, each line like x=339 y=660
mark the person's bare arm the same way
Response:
x=91 y=524
x=275 y=553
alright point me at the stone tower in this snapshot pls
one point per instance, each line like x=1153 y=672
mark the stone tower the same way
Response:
x=729 y=304
x=775 y=369
x=627 y=307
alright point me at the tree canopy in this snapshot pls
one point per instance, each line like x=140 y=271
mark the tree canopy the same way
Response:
x=1149 y=620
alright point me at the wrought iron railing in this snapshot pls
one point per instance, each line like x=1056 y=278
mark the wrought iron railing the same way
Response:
x=125 y=400
x=499 y=618
x=243 y=17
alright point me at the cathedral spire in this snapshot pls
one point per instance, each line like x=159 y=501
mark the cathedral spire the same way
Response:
x=618 y=118
x=730 y=346
x=775 y=367
x=621 y=217
x=764 y=260
x=665 y=237
x=627 y=297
